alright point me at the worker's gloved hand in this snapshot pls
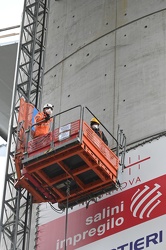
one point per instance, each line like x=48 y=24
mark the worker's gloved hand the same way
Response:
x=47 y=117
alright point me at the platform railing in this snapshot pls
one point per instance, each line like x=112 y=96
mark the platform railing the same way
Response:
x=62 y=121
x=116 y=144
x=59 y=121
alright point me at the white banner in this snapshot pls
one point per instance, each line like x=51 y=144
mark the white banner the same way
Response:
x=128 y=219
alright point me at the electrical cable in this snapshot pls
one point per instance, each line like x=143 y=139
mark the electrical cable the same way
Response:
x=59 y=211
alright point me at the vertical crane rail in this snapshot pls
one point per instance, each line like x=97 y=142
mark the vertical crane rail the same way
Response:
x=15 y=221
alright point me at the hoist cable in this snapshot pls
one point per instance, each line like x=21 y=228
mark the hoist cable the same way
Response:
x=67 y=206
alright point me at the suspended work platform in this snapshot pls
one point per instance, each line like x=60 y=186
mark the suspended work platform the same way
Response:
x=70 y=156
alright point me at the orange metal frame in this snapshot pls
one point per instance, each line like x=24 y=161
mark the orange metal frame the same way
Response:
x=87 y=163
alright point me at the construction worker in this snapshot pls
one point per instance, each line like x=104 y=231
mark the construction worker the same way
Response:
x=94 y=123
x=44 y=120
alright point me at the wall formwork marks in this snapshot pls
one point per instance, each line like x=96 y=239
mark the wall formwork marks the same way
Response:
x=110 y=56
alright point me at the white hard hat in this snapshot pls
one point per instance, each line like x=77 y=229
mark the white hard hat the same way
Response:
x=48 y=105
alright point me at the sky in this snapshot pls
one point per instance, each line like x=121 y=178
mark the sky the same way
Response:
x=10 y=12
x=2 y=141
x=10 y=15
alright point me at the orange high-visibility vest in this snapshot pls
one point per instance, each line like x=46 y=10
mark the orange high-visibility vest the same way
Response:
x=42 y=128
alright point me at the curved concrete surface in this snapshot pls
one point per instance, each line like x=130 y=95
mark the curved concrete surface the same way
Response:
x=105 y=54
x=110 y=56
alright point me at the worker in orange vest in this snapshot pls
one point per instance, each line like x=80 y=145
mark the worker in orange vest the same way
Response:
x=94 y=123
x=44 y=120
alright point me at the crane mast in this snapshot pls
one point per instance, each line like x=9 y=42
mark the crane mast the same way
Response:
x=16 y=210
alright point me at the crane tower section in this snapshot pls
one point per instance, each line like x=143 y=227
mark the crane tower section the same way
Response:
x=15 y=221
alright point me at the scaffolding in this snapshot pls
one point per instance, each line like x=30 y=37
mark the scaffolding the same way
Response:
x=16 y=211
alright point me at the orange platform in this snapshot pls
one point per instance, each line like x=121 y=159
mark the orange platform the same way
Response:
x=86 y=163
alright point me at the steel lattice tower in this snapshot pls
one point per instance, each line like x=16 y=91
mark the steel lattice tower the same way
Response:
x=16 y=211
